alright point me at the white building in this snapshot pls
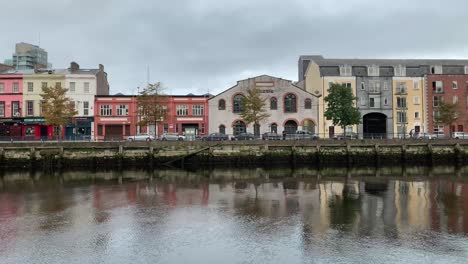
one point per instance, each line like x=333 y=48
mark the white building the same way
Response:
x=290 y=107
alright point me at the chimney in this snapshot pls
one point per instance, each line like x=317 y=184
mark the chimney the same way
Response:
x=74 y=66
x=101 y=67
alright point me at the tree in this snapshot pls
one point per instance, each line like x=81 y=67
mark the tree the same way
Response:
x=152 y=105
x=253 y=109
x=57 y=108
x=447 y=115
x=341 y=109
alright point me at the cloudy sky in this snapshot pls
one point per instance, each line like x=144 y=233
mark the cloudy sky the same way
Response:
x=201 y=46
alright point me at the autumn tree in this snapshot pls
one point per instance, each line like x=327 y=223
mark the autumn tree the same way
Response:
x=341 y=107
x=448 y=114
x=152 y=105
x=57 y=108
x=253 y=109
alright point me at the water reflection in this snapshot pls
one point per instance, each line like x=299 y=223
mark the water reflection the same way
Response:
x=236 y=216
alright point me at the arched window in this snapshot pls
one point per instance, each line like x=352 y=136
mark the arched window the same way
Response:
x=290 y=103
x=222 y=104
x=290 y=127
x=308 y=104
x=274 y=128
x=239 y=127
x=237 y=101
x=273 y=103
x=309 y=126
x=222 y=129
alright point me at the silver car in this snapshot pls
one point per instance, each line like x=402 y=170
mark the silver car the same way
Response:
x=172 y=136
x=141 y=137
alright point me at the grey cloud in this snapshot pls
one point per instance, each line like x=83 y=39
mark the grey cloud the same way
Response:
x=197 y=45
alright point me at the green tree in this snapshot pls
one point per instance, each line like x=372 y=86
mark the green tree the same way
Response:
x=57 y=108
x=341 y=107
x=152 y=105
x=448 y=114
x=253 y=109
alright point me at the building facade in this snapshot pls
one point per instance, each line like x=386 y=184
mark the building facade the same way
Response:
x=290 y=107
x=28 y=56
x=393 y=95
x=11 y=103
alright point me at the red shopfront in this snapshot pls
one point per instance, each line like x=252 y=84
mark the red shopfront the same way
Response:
x=36 y=128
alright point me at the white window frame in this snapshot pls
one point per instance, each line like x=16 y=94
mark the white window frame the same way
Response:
x=2 y=87
x=385 y=86
x=105 y=110
x=416 y=100
x=15 y=87
x=85 y=108
x=439 y=87
x=86 y=87
x=415 y=85
x=72 y=87
x=30 y=87
x=417 y=116
x=29 y=106
x=466 y=69
x=385 y=101
x=182 y=110
x=455 y=99
x=345 y=70
x=122 y=110
x=454 y=85
x=374 y=86
x=362 y=101
x=2 y=108
x=436 y=69
x=376 y=100
x=400 y=70
x=198 y=110
x=401 y=88
x=402 y=117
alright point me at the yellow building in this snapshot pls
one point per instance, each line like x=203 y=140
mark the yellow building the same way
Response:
x=408 y=106
x=33 y=85
x=318 y=84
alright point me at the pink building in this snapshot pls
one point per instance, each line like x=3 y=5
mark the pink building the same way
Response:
x=11 y=103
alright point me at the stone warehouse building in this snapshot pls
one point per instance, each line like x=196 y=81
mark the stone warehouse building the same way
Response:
x=290 y=107
x=394 y=96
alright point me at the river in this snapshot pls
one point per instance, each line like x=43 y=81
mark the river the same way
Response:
x=414 y=215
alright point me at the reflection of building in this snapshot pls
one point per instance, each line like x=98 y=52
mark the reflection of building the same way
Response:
x=289 y=106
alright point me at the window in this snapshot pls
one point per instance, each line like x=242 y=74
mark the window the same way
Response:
x=347 y=85
x=106 y=110
x=454 y=85
x=222 y=129
x=401 y=117
x=86 y=87
x=2 y=109
x=198 y=110
x=166 y=128
x=30 y=87
x=400 y=70
x=401 y=102
x=85 y=108
x=363 y=86
x=439 y=130
x=72 y=87
x=44 y=85
x=2 y=87
x=222 y=104
x=373 y=70
x=436 y=69
x=99 y=130
x=16 y=87
x=437 y=101
x=273 y=103
x=374 y=102
x=455 y=99
x=202 y=128
x=177 y=128
x=416 y=100
x=385 y=86
x=416 y=115
x=290 y=103
x=29 y=131
x=466 y=69
x=239 y=127
x=362 y=100
x=274 y=128
x=237 y=101
x=374 y=87
x=401 y=88
x=438 y=87
x=436 y=115
x=29 y=108
x=416 y=85
x=345 y=70
x=385 y=101
x=182 y=110
x=41 y=107
x=308 y=104
x=122 y=110
x=15 y=110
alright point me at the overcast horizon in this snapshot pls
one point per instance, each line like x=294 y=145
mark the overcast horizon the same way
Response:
x=202 y=46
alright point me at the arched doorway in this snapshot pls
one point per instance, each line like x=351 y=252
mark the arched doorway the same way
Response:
x=308 y=125
x=239 y=127
x=375 y=125
x=290 y=127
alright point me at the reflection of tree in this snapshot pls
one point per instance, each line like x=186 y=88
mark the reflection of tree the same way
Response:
x=451 y=202
x=344 y=209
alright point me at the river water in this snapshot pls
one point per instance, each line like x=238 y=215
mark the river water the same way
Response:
x=235 y=216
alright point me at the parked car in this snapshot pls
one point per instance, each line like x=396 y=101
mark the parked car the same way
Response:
x=349 y=135
x=271 y=136
x=423 y=136
x=172 y=136
x=215 y=137
x=459 y=135
x=299 y=135
x=141 y=137
x=244 y=136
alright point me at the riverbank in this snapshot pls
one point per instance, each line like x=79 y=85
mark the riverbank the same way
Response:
x=143 y=155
